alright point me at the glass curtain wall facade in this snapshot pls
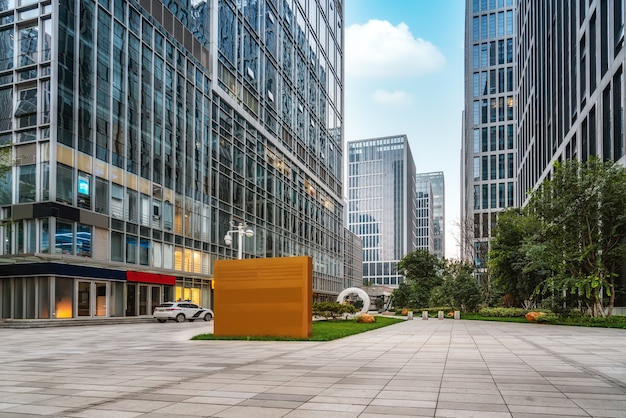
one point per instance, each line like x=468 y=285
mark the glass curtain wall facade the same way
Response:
x=438 y=209
x=141 y=129
x=490 y=123
x=574 y=106
x=571 y=86
x=382 y=204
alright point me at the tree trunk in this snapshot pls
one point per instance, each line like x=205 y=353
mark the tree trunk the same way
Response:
x=597 y=309
x=612 y=296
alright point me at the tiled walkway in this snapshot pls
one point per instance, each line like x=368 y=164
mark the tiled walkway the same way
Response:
x=428 y=368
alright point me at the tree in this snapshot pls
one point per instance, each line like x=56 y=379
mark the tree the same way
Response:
x=583 y=211
x=519 y=260
x=459 y=289
x=422 y=272
x=465 y=239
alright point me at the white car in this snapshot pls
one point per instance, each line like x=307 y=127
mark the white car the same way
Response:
x=181 y=311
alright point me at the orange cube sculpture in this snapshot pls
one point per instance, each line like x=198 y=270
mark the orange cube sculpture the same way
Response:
x=264 y=297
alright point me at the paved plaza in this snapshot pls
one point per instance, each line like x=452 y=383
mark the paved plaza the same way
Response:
x=433 y=368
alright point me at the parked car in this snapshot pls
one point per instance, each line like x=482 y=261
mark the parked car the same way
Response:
x=181 y=311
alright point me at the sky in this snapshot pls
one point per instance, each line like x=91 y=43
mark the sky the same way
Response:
x=404 y=76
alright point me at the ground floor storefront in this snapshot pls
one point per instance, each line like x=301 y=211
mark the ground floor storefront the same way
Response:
x=50 y=290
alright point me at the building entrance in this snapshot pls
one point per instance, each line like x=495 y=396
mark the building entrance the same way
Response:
x=92 y=298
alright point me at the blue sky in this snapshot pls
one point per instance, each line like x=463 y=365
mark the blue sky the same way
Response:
x=404 y=75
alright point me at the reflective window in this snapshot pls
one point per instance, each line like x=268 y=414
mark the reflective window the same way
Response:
x=27 y=46
x=27 y=183
x=64 y=237
x=65 y=184
x=83 y=240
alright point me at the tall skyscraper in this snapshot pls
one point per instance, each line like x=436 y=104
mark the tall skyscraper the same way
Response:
x=571 y=85
x=382 y=204
x=571 y=88
x=490 y=123
x=437 y=207
x=143 y=131
x=566 y=96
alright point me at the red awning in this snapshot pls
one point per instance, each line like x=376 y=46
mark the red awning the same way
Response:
x=135 y=276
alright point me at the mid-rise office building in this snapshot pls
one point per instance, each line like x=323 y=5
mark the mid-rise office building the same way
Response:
x=382 y=204
x=143 y=131
x=437 y=208
x=489 y=172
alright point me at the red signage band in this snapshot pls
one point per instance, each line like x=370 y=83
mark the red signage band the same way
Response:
x=136 y=276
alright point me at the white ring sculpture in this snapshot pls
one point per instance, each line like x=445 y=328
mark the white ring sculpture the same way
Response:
x=361 y=293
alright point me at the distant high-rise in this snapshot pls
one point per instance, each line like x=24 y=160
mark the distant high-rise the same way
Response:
x=381 y=204
x=490 y=123
x=424 y=213
x=436 y=209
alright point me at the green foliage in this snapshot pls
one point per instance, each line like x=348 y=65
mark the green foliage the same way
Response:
x=422 y=273
x=548 y=318
x=332 y=309
x=459 y=289
x=519 y=259
x=503 y=312
x=570 y=237
x=433 y=282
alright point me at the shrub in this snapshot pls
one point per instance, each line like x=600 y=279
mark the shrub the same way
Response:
x=547 y=318
x=596 y=321
x=332 y=309
x=502 y=312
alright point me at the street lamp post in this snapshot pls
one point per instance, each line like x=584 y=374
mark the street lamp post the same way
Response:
x=241 y=230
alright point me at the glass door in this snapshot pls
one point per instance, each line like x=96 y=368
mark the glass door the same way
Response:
x=131 y=300
x=143 y=299
x=101 y=298
x=92 y=298
x=155 y=297
x=84 y=298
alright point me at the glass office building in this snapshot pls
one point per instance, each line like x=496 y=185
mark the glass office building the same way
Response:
x=139 y=130
x=437 y=208
x=489 y=168
x=382 y=204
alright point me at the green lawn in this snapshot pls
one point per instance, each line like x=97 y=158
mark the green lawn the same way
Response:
x=322 y=330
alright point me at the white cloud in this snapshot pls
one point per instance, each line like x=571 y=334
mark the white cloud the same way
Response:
x=384 y=97
x=379 y=49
